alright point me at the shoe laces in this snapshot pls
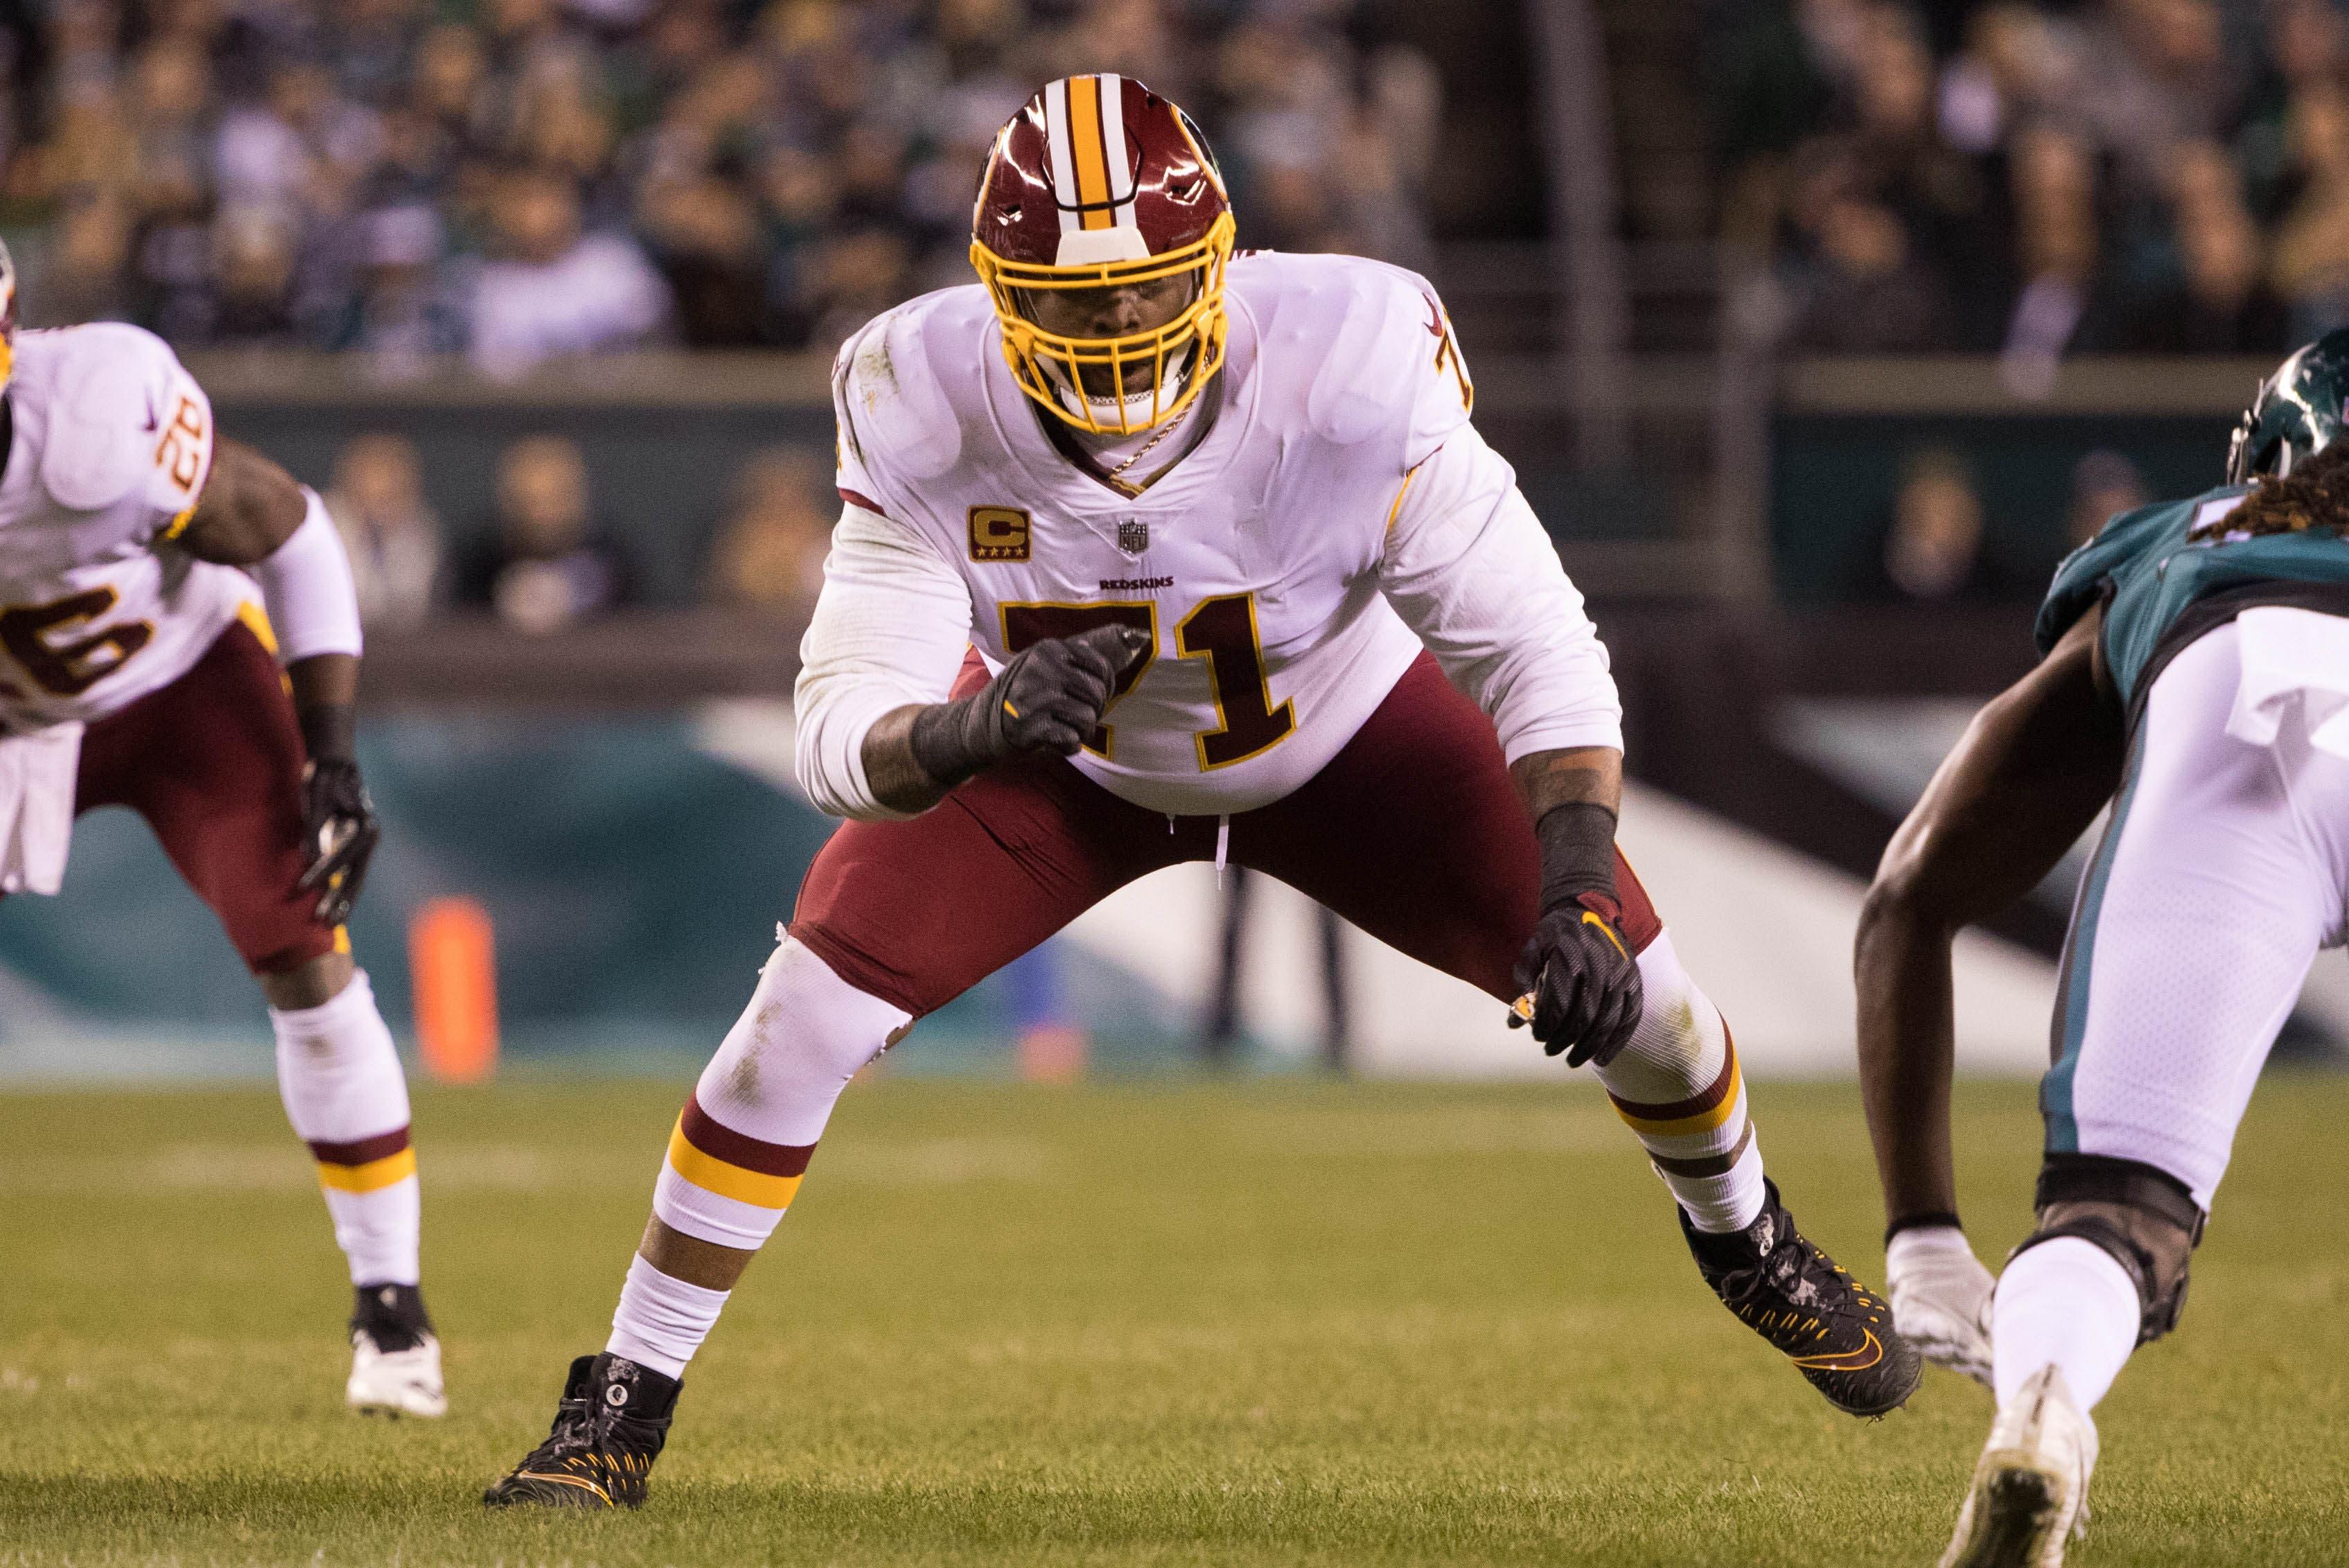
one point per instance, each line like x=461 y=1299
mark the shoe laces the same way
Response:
x=589 y=1437
x=1792 y=1294
x=573 y=1434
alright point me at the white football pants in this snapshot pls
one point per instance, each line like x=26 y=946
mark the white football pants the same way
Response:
x=2221 y=874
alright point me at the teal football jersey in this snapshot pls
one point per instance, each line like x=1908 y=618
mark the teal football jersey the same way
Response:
x=2161 y=591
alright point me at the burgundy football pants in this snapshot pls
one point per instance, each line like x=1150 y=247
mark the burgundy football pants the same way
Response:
x=213 y=761
x=1413 y=832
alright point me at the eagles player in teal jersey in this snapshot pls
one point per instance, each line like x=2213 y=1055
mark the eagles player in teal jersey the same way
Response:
x=2196 y=676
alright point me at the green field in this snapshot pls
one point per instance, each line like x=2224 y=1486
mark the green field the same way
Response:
x=1257 y=1323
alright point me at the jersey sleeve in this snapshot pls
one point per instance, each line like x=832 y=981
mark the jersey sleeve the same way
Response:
x=2085 y=578
x=1394 y=370
x=897 y=428
x=1472 y=570
x=129 y=421
x=1442 y=395
x=889 y=630
x=857 y=484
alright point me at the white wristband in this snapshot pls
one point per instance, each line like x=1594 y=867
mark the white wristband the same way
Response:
x=307 y=587
x=1921 y=1241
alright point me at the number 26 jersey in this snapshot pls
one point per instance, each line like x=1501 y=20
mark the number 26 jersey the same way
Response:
x=109 y=441
x=1252 y=563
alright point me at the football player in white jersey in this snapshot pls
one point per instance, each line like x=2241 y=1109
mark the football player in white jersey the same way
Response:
x=152 y=577
x=1153 y=554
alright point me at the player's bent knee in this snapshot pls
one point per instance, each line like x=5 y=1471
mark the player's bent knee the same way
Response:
x=805 y=1033
x=2142 y=1216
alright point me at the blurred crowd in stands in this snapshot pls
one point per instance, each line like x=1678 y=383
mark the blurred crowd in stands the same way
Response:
x=544 y=558
x=517 y=178
x=2155 y=176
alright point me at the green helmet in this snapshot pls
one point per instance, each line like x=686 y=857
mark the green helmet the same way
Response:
x=2297 y=413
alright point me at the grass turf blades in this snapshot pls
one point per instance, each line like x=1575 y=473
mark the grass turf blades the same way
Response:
x=1259 y=1323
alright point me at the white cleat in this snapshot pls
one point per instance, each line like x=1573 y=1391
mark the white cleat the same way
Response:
x=2030 y=1494
x=395 y=1382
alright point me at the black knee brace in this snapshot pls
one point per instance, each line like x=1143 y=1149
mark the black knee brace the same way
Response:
x=2145 y=1217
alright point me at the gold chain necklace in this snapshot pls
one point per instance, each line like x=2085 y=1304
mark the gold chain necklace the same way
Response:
x=1116 y=476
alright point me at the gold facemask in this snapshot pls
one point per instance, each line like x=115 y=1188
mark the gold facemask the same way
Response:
x=1051 y=366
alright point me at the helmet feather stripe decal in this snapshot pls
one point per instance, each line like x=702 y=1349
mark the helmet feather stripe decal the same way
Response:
x=1092 y=156
x=1113 y=154
x=1063 y=159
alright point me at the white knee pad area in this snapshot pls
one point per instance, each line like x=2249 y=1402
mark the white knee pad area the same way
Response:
x=1678 y=1048
x=338 y=1070
x=804 y=1036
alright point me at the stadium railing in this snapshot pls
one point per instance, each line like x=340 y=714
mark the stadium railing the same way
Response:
x=1743 y=478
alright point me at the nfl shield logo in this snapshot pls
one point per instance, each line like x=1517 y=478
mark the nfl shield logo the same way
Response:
x=1133 y=536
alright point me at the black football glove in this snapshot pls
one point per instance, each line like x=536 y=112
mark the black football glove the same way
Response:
x=340 y=829
x=1050 y=697
x=1580 y=985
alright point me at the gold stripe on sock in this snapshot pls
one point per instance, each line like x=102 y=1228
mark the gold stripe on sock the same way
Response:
x=1681 y=1127
x=372 y=1177
x=712 y=1174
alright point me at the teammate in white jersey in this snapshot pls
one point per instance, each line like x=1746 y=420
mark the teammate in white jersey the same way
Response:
x=1154 y=553
x=138 y=669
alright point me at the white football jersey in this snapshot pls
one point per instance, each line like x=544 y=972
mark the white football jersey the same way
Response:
x=109 y=442
x=1252 y=563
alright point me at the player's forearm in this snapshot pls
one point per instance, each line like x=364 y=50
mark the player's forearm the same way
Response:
x=1906 y=1055
x=2033 y=769
x=1045 y=701
x=1571 y=776
x=1572 y=795
x=325 y=703
x=891 y=774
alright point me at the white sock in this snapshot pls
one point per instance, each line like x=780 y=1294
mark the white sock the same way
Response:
x=661 y=1322
x=339 y=1077
x=2069 y=1302
x=750 y=1128
x=1720 y=1205
x=1677 y=1085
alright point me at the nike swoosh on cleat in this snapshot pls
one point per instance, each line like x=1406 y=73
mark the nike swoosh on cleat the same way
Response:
x=566 y=1480
x=1858 y=1360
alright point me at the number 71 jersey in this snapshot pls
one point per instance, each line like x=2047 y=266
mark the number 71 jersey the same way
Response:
x=109 y=441
x=1252 y=565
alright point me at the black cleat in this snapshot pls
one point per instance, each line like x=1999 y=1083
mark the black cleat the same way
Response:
x=1838 y=1332
x=392 y=1316
x=607 y=1431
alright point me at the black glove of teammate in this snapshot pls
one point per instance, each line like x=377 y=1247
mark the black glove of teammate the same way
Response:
x=1050 y=697
x=1581 y=989
x=339 y=823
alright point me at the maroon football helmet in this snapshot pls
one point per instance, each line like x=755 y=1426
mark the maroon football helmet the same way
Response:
x=1099 y=184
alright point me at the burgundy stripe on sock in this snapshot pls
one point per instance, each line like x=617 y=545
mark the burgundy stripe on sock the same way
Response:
x=366 y=1151
x=1710 y=1164
x=725 y=1143
x=1696 y=1106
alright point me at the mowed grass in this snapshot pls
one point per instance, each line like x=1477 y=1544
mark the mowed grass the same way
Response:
x=1246 y=1323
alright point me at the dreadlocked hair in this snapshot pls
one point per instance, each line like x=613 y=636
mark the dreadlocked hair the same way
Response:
x=2314 y=495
